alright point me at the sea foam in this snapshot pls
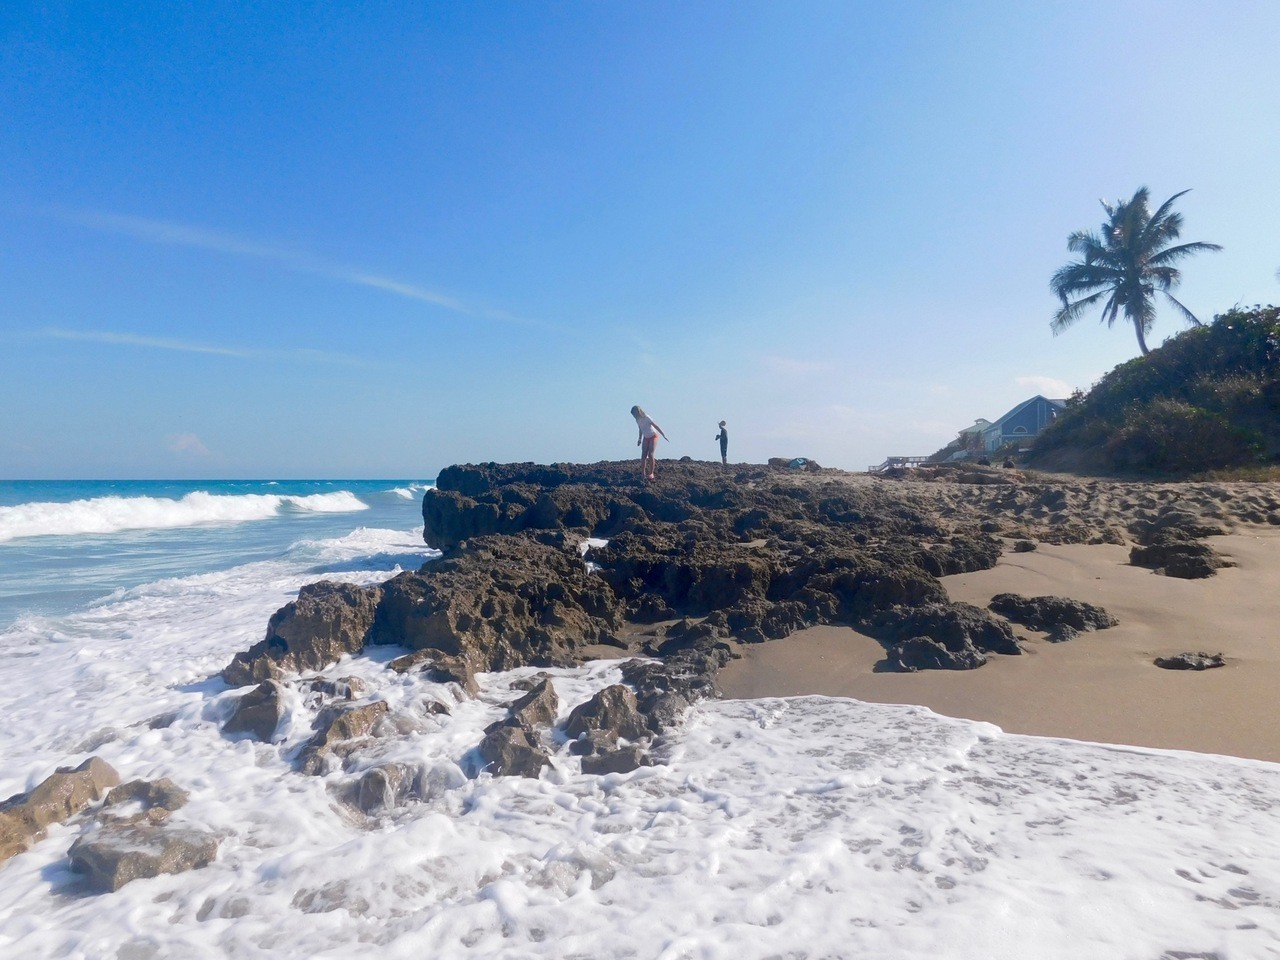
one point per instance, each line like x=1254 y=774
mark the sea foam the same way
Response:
x=804 y=828
x=105 y=515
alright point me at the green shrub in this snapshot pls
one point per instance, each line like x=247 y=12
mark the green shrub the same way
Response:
x=1170 y=436
x=1207 y=398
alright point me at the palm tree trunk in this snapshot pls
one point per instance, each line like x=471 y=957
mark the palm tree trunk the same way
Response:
x=1142 y=342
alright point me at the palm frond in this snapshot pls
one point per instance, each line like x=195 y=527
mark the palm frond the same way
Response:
x=1174 y=254
x=1186 y=314
x=1070 y=312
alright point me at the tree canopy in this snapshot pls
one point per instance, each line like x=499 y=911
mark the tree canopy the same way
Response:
x=1127 y=263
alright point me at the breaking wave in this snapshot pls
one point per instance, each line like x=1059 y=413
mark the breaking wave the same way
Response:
x=104 y=515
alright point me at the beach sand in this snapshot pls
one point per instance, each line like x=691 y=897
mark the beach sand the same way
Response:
x=1101 y=686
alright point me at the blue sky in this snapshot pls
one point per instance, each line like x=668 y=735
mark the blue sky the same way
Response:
x=371 y=240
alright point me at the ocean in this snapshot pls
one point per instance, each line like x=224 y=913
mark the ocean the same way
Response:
x=798 y=828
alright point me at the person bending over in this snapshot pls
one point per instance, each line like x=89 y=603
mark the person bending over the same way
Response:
x=647 y=442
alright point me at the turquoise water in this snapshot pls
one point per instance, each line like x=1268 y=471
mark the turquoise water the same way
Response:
x=66 y=544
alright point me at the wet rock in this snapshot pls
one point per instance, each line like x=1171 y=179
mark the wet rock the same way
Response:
x=57 y=798
x=118 y=854
x=258 y=712
x=385 y=787
x=592 y=742
x=534 y=711
x=502 y=602
x=158 y=798
x=1046 y=613
x=925 y=653
x=327 y=621
x=1191 y=661
x=621 y=760
x=341 y=688
x=439 y=668
x=512 y=751
x=337 y=727
x=615 y=709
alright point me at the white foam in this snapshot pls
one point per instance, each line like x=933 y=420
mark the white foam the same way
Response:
x=413 y=491
x=805 y=828
x=104 y=515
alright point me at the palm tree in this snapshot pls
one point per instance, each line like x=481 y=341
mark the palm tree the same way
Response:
x=1127 y=264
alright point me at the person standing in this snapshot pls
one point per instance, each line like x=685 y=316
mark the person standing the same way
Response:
x=647 y=442
x=723 y=437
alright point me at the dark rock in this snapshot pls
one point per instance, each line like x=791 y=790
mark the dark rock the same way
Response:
x=511 y=751
x=502 y=602
x=925 y=653
x=1178 y=557
x=258 y=712
x=1046 y=613
x=118 y=854
x=614 y=708
x=327 y=621
x=1191 y=661
x=622 y=760
x=1023 y=546
x=1061 y=633
x=958 y=627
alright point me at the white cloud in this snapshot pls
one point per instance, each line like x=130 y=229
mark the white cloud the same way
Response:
x=136 y=340
x=188 y=445
x=191 y=346
x=1049 y=387
x=177 y=234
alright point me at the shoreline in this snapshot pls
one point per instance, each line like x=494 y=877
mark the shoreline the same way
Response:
x=1100 y=687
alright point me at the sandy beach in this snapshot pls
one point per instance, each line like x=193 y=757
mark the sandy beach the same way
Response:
x=1099 y=687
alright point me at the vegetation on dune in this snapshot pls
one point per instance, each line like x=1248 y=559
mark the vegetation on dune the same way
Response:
x=1127 y=262
x=1207 y=399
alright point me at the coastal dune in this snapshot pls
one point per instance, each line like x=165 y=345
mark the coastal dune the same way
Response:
x=1102 y=686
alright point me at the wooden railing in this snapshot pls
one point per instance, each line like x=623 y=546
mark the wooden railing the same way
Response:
x=892 y=462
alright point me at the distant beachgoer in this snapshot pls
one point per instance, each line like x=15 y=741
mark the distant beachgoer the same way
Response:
x=647 y=442
x=723 y=437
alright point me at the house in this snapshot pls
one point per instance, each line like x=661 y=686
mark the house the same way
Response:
x=1025 y=420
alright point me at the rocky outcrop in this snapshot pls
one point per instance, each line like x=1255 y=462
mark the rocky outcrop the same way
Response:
x=622 y=759
x=439 y=668
x=536 y=710
x=513 y=751
x=1175 y=554
x=258 y=712
x=1051 y=613
x=924 y=653
x=338 y=728
x=117 y=854
x=614 y=709
x=327 y=621
x=60 y=796
x=1191 y=661
x=157 y=799
x=385 y=787
x=955 y=636
x=500 y=602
